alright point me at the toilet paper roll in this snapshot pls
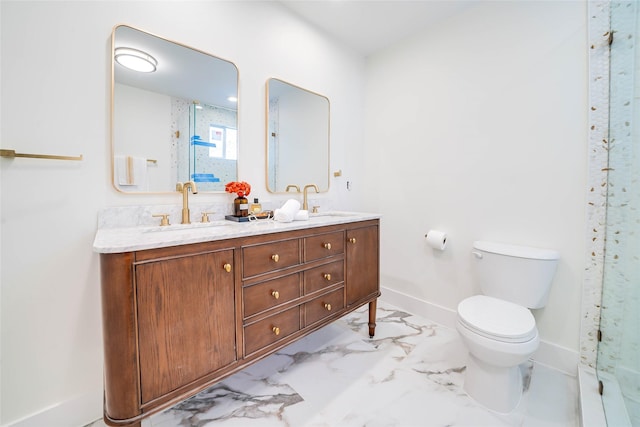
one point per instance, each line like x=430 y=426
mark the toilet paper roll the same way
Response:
x=437 y=239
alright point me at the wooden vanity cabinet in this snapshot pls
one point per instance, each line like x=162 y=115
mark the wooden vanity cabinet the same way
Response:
x=178 y=319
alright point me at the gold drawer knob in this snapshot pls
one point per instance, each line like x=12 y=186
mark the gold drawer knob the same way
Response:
x=275 y=257
x=275 y=294
x=352 y=239
x=227 y=267
x=276 y=330
x=326 y=246
x=327 y=306
x=327 y=276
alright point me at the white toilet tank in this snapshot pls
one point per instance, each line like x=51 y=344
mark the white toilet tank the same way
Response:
x=519 y=274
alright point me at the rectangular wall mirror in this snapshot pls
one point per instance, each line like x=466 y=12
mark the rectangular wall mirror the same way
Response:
x=173 y=120
x=297 y=137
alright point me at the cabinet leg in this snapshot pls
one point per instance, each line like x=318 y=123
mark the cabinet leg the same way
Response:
x=372 y=317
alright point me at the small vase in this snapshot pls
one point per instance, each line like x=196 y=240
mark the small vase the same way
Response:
x=240 y=206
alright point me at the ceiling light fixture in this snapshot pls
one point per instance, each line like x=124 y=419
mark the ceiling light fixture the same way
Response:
x=135 y=59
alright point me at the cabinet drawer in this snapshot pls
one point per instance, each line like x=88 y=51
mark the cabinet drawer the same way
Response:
x=323 y=245
x=323 y=276
x=324 y=306
x=270 y=256
x=271 y=329
x=271 y=293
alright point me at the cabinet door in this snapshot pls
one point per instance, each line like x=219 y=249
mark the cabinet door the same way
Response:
x=362 y=263
x=186 y=322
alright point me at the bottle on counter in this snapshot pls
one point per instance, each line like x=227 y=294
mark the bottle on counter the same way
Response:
x=241 y=206
x=255 y=207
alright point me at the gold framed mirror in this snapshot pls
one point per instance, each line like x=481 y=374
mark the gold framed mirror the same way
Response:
x=298 y=137
x=175 y=121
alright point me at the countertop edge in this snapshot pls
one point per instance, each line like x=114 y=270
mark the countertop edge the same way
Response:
x=129 y=239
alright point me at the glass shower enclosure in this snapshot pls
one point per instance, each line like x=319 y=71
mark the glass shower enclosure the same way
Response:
x=618 y=360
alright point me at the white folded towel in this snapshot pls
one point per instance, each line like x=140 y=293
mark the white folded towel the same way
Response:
x=302 y=215
x=131 y=171
x=287 y=212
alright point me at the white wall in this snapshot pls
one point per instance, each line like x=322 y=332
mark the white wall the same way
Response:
x=478 y=127
x=55 y=77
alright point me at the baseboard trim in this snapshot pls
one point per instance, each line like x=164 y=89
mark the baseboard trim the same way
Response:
x=549 y=354
x=75 y=412
x=436 y=313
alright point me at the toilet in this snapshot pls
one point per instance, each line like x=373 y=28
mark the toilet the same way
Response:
x=497 y=327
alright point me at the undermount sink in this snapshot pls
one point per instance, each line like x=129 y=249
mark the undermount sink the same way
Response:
x=182 y=227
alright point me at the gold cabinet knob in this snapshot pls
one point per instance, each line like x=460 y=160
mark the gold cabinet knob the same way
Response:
x=275 y=294
x=352 y=239
x=327 y=276
x=326 y=246
x=227 y=267
x=275 y=257
x=276 y=330
x=327 y=306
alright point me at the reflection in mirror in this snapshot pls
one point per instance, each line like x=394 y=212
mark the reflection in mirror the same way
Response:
x=297 y=137
x=177 y=123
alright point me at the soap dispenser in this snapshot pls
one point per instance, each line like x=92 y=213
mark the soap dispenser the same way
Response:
x=255 y=207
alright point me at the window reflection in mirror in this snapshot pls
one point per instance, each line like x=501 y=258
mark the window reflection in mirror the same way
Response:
x=209 y=155
x=177 y=123
x=297 y=137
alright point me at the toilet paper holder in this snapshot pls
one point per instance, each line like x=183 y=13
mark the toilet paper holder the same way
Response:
x=436 y=239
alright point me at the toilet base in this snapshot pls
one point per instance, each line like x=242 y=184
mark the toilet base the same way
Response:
x=496 y=388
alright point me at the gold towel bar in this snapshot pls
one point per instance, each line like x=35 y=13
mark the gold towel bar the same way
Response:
x=11 y=154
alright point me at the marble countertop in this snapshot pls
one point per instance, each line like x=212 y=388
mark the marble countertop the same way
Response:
x=126 y=239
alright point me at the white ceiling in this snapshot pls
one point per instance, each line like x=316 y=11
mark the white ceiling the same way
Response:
x=365 y=25
x=370 y=25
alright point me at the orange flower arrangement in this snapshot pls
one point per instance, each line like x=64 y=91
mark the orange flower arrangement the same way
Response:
x=241 y=188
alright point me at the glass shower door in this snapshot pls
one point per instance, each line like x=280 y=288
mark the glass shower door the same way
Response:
x=618 y=363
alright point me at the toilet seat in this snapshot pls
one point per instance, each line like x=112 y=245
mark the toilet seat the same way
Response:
x=497 y=319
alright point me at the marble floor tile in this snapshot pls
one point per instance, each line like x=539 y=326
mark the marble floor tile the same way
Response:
x=409 y=374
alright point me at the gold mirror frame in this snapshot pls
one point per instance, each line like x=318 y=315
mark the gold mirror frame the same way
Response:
x=187 y=84
x=298 y=144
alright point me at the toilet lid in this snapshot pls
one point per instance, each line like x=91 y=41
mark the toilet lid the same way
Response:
x=497 y=319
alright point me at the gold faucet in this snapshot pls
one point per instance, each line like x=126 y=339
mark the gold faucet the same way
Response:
x=305 y=203
x=292 y=186
x=184 y=189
